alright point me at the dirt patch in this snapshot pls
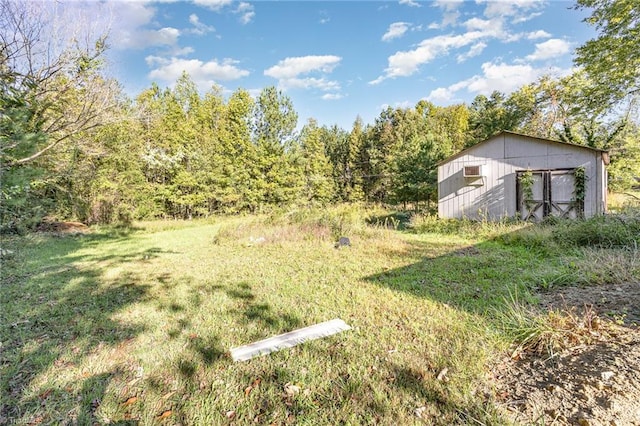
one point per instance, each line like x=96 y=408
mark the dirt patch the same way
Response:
x=597 y=384
x=63 y=228
x=619 y=302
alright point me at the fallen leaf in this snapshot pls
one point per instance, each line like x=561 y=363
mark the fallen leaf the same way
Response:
x=291 y=390
x=443 y=374
x=252 y=386
x=164 y=415
x=45 y=394
x=230 y=414
x=130 y=401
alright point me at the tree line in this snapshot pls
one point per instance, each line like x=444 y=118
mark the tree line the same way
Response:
x=73 y=145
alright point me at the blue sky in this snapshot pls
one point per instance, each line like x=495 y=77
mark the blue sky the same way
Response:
x=340 y=59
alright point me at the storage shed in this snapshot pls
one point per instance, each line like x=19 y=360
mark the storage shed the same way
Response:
x=515 y=175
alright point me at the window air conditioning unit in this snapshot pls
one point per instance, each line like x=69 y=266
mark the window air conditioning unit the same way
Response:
x=472 y=171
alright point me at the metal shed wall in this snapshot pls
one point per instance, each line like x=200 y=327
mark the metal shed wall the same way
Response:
x=494 y=196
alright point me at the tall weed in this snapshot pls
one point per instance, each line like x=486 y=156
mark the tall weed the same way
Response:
x=547 y=333
x=609 y=231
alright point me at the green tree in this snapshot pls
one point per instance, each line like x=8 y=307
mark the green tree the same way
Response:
x=318 y=183
x=612 y=59
x=279 y=179
x=244 y=173
x=51 y=94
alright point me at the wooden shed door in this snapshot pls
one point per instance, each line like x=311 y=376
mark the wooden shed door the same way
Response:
x=552 y=194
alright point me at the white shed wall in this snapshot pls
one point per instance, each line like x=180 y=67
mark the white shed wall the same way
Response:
x=494 y=196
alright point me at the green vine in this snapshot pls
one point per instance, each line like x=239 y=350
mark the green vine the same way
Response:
x=526 y=183
x=580 y=189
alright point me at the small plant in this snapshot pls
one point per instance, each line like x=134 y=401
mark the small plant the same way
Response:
x=526 y=183
x=579 y=190
x=546 y=334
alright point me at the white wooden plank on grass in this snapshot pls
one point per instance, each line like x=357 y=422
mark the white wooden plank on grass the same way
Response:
x=290 y=339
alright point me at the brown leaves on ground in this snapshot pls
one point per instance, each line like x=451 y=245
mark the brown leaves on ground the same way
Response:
x=252 y=386
x=165 y=414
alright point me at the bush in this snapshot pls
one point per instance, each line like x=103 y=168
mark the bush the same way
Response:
x=609 y=231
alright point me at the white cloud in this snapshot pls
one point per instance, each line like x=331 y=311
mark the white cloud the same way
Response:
x=551 y=48
x=214 y=5
x=411 y=3
x=324 y=17
x=292 y=67
x=475 y=50
x=127 y=26
x=450 y=12
x=448 y=4
x=244 y=9
x=502 y=77
x=512 y=8
x=486 y=25
x=152 y=60
x=204 y=74
x=289 y=72
x=377 y=80
x=495 y=76
x=441 y=94
x=524 y=18
x=140 y=39
x=493 y=27
x=133 y=14
x=534 y=35
x=446 y=94
x=406 y=63
x=332 y=96
x=199 y=27
x=397 y=29
x=308 y=83
x=246 y=12
x=181 y=51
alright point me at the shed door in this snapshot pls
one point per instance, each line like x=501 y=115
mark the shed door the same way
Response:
x=550 y=193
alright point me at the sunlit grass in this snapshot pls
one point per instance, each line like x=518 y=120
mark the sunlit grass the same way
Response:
x=137 y=326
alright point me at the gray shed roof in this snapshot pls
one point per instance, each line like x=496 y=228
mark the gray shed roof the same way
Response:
x=507 y=132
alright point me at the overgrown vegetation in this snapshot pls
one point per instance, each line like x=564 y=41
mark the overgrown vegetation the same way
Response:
x=136 y=326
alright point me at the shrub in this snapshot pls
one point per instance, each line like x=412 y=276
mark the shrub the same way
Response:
x=609 y=231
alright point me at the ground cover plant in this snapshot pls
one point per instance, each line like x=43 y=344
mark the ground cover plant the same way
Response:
x=134 y=326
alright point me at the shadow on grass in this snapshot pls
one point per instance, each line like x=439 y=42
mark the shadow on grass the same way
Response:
x=478 y=279
x=54 y=315
x=249 y=310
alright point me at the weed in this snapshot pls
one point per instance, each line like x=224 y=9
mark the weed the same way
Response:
x=548 y=333
x=619 y=230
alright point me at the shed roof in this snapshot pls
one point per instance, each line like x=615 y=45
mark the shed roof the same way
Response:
x=507 y=132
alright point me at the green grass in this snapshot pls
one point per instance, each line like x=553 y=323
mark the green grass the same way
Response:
x=135 y=327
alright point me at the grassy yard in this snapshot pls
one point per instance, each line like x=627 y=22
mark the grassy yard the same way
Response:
x=135 y=327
